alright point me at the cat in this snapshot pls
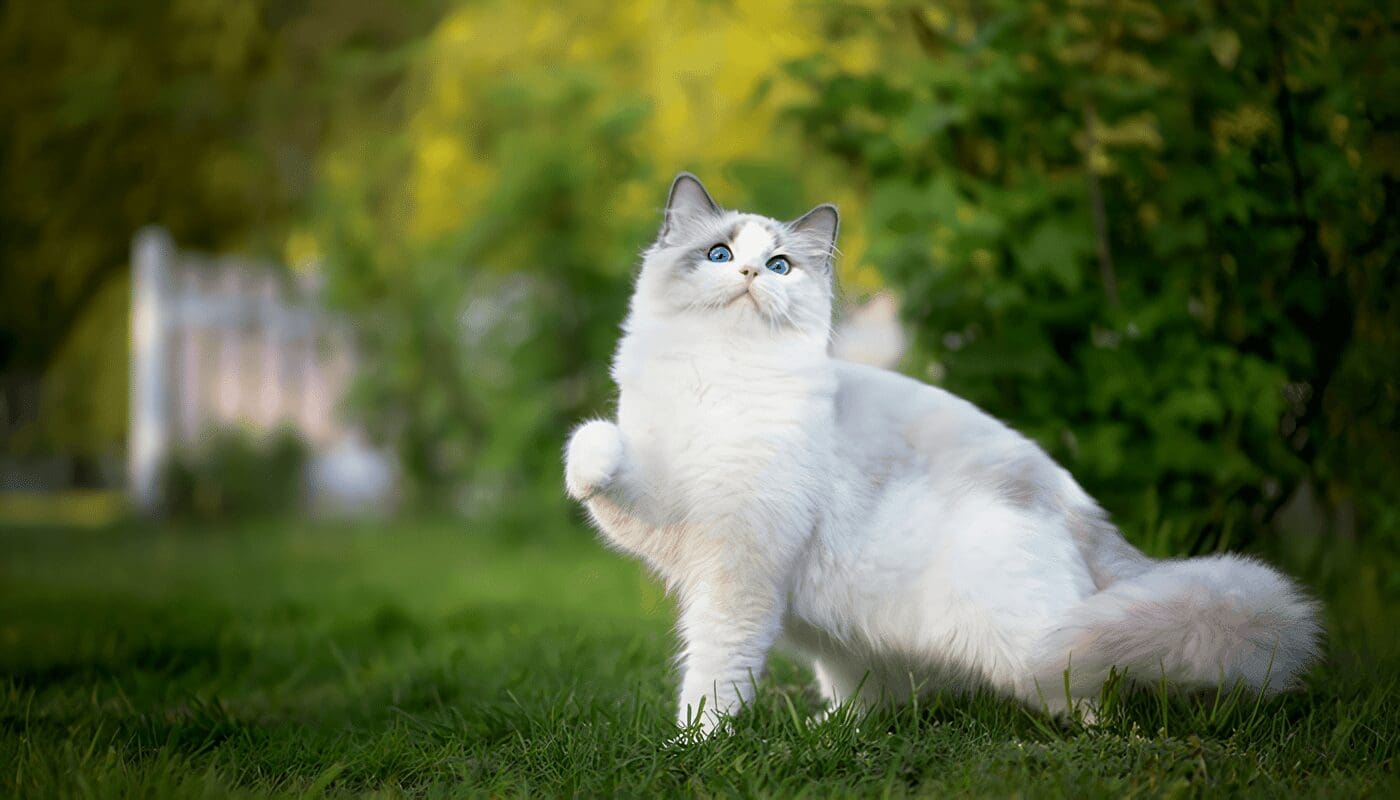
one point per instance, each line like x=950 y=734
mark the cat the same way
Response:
x=894 y=534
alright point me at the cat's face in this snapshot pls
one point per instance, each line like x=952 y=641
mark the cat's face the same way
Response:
x=741 y=269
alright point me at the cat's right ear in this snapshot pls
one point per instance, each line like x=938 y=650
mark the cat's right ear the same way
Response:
x=687 y=200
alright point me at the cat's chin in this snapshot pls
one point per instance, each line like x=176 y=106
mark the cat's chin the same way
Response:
x=739 y=305
x=738 y=300
x=739 y=311
x=748 y=308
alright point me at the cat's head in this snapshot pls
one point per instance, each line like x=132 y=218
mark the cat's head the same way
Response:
x=742 y=269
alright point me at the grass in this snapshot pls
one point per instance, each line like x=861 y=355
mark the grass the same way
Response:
x=427 y=659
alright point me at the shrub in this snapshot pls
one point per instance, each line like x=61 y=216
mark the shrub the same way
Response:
x=236 y=474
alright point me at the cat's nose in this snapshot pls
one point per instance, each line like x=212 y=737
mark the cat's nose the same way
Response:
x=749 y=271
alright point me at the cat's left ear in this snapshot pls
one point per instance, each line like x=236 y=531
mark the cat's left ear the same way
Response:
x=821 y=224
x=687 y=200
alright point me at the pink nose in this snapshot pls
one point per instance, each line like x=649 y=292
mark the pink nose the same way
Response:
x=749 y=272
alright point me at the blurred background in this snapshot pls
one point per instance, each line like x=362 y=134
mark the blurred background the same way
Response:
x=332 y=257
x=299 y=300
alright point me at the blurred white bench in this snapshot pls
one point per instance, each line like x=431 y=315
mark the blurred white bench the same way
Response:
x=226 y=342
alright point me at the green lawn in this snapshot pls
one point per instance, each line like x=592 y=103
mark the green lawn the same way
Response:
x=430 y=659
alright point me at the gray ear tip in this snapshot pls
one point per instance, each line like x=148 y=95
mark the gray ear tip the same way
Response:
x=823 y=216
x=688 y=192
x=685 y=176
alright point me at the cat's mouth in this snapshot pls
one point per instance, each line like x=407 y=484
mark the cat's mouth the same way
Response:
x=739 y=298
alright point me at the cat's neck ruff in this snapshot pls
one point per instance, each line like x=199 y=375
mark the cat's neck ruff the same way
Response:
x=720 y=349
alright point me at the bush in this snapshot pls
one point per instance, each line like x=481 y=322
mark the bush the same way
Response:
x=236 y=474
x=1152 y=236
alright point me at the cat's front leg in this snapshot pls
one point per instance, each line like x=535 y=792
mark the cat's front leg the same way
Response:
x=592 y=459
x=728 y=628
x=597 y=472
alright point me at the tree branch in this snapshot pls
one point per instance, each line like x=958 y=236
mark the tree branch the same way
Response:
x=1096 y=207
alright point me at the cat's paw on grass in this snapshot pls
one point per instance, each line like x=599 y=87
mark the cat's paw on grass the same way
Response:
x=593 y=458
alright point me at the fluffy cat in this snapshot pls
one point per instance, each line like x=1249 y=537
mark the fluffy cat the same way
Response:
x=894 y=534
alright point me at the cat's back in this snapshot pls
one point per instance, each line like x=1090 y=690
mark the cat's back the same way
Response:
x=876 y=403
x=883 y=417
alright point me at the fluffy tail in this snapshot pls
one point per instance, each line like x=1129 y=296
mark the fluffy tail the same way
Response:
x=1201 y=622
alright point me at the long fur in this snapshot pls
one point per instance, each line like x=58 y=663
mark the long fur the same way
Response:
x=1200 y=622
x=894 y=534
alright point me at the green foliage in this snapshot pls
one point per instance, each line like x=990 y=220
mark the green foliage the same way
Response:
x=1153 y=236
x=234 y=475
x=431 y=661
x=485 y=323
x=200 y=115
x=1159 y=237
x=1205 y=339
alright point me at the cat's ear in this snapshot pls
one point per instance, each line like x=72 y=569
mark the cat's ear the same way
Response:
x=821 y=224
x=688 y=200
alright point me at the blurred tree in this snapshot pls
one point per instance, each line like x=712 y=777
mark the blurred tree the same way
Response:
x=489 y=235
x=1160 y=237
x=200 y=115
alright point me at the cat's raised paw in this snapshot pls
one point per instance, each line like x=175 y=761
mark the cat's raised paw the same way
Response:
x=593 y=458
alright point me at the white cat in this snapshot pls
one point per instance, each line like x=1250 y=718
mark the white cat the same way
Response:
x=894 y=534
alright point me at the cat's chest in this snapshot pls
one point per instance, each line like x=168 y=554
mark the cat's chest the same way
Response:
x=714 y=418
x=717 y=401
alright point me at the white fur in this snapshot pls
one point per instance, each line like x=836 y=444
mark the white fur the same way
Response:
x=897 y=536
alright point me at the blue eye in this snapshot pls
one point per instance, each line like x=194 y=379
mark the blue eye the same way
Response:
x=720 y=254
x=780 y=265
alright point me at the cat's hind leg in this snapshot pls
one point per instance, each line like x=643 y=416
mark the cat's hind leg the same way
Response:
x=999 y=580
x=844 y=687
x=841 y=680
